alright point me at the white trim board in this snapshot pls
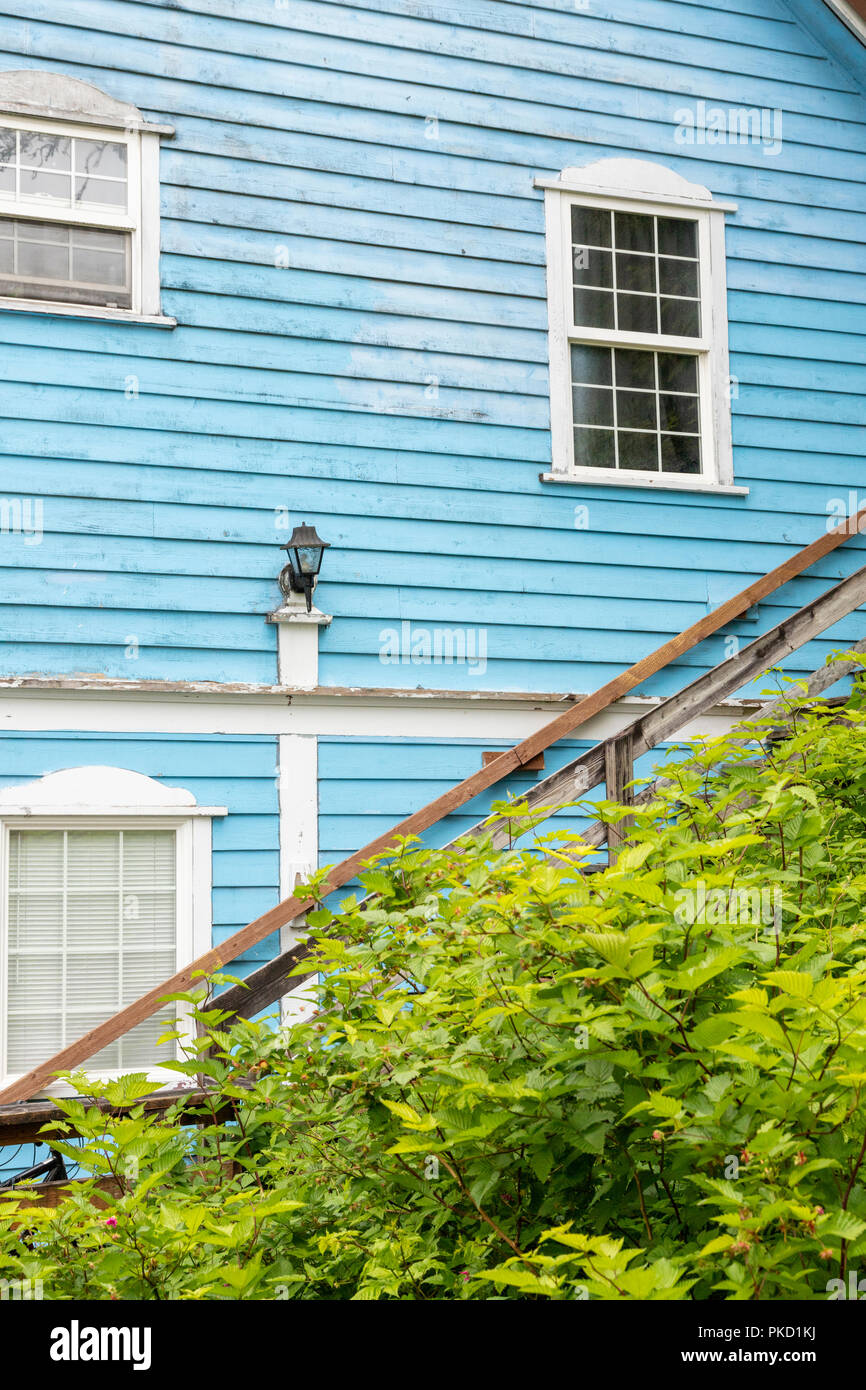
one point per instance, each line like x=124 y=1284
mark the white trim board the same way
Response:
x=385 y=720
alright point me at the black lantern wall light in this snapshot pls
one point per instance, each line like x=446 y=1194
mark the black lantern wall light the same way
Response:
x=306 y=550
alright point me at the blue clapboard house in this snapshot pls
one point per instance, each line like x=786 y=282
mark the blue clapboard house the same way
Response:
x=547 y=317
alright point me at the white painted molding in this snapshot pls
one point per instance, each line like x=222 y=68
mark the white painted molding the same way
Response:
x=633 y=178
x=339 y=715
x=102 y=791
x=56 y=96
x=663 y=483
x=298 y=642
x=299 y=844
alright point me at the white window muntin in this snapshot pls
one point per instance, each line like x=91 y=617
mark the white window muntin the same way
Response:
x=139 y=219
x=192 y=911
x=710 y=349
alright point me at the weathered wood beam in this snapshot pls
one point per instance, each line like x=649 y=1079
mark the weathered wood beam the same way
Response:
x=270 y=981
x=22 y=1123
x=665 y=721
x=618 y=772
x=509 y=761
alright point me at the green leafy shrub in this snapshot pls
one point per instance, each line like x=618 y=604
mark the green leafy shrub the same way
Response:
x=646 y=1082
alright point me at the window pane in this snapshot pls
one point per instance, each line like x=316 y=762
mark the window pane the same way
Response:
x=637 y=313
x=590 y=365
x=679 y=413
x=678 y=277
x=95 y=978
x=36 y=859
x=635 y=272
x=678 y=372
x=594 y=449
x=44 y=151
x=35 y=184
x=678 y=236
x=148 y=859
x=681 y=453
x=7 y=179
x=43 y=260
x=35 y=981
x=633 y=231
x=103 y=192
x=592 y=406
x=638 y=451
x=680 y=317
x=8 y=146
x=35 y=919
x=148 y=919
x=593 y=308
x=103 y=157
x=93 y=919
x=636 y=410
x=40 y=266
x=32 y=1038
x=590 y=226
x=93 y=859
x=649 y=421
x=592 y=267
x=99 y=267
x=635 y=369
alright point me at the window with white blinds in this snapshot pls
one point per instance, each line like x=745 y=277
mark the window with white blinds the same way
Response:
x=92 y=924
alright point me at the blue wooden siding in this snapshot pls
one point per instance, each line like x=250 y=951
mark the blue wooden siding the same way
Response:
x=387 y=151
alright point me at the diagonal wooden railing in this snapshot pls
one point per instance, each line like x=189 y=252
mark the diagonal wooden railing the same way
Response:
x=509 y=761
x=617 y=755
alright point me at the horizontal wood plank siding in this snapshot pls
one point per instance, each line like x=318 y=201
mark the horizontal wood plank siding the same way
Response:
x=354 y=250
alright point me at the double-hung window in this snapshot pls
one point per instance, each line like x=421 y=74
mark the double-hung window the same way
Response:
x=70 y=207
x=79 y=200
x=638 y=333
x=105 y=891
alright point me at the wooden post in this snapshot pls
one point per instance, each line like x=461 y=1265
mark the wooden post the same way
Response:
x=618 y=772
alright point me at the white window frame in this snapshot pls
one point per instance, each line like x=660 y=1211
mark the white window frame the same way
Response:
x=60 y=105
x=99 y=798
x=624 y=185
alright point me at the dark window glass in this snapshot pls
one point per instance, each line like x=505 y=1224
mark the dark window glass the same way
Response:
x=678 y=277
x=635 y=369
x=592 y=405
x=592 y=267
x=637 y=313
x=677 y=372
x=679 y=413
x=681 y=453
x=636 y=410
x=590 y=364
x=638 y=451
x=635 y=272
x=594 y=449
x=593 y=308
x=677 y=236
x=680 y=317
x=590 y=226
x=633 y=231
